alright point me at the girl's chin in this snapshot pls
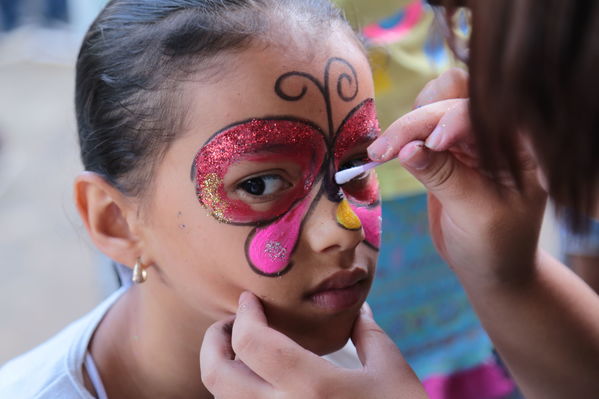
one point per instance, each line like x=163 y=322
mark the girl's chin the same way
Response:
x=326 y=348
x=322 y=337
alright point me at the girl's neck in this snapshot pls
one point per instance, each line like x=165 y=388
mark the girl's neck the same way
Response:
x=148 y=346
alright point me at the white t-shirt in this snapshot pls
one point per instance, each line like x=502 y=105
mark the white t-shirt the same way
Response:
x=54 y=369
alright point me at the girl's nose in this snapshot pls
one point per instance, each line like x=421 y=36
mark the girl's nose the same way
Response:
x=332 y=226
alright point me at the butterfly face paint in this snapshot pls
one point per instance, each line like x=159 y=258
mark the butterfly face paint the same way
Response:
x=288 y=157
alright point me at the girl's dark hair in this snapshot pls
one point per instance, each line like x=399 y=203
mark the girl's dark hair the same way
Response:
x=129 y=99
x=534 y=69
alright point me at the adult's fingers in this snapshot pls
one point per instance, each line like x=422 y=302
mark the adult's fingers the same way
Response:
x=223 y=375
x=270 y=354
x=443 y=96
x=441 y=173
x=453 y=130
x=452 y=83
x=381 y=357
x=375 y=349
x=415 y=125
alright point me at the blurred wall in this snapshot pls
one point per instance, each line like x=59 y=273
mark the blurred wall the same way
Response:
x=48 y=268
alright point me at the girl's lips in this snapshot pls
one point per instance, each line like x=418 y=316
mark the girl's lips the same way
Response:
x=341 y=299
x=341 y=291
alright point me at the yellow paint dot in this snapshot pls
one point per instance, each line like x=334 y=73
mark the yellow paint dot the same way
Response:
x=346 y=217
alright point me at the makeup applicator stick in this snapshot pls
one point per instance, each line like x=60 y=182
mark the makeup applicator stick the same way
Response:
x=346 y=175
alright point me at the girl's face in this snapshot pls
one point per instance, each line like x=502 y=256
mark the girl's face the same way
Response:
x=246 y=199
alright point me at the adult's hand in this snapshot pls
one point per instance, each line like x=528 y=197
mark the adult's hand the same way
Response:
x=539 y=315
x=244 y=358
x=481 y=226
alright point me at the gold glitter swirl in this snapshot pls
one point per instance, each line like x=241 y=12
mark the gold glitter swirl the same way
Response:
x=210 y=197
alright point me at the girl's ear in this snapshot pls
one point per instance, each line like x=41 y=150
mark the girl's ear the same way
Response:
x=108 y=216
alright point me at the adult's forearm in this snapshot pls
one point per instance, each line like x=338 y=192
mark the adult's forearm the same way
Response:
x=546 y=328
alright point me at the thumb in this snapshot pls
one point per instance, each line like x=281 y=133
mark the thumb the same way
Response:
x=375 y=349
x=440 y=172
x=382 y=359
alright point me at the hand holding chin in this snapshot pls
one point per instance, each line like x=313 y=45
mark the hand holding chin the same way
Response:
x=244 y=358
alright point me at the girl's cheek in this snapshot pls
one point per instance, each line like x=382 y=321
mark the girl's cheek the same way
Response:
x=269 y=248
x=370 y=217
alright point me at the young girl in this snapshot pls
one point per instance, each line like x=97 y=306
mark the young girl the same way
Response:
x=519 y=117
x=210 y=132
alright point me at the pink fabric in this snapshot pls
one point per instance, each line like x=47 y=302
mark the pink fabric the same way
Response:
x=486 y=381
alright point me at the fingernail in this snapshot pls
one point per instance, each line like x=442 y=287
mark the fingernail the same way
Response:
x=243 y=302
x=378 y=149
x=415 y=156
x=434 y=140
x=366 y=310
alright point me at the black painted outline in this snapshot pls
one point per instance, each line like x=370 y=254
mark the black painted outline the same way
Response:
x=327 y=170
x=324 y=87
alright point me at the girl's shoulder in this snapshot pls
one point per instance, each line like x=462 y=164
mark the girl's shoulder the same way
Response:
x=54 y=368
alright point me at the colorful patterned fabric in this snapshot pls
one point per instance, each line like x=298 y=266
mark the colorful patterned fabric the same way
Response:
x=392 y=29
x=584 y=244
x=420 y=303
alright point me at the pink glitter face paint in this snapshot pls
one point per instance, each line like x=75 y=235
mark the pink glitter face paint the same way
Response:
x=317 y=154
x=358 y=131
x=269 y=248
x=257 y=141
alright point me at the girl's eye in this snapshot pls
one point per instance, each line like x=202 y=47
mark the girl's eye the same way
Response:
x=264 y=185
x=352 y=163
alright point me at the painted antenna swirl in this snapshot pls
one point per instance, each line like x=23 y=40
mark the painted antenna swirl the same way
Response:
x=346 y=85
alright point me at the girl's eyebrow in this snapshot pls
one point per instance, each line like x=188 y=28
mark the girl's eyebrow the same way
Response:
x=364 y=137
x=274 y=149
x=270 y=147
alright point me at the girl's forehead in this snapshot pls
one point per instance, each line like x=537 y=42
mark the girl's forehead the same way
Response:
x=264 y=82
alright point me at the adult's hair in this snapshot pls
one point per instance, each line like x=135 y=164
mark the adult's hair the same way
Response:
x=534 y=69
x=138 y=54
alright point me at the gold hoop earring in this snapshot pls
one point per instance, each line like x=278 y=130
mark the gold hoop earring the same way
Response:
x=140 y=274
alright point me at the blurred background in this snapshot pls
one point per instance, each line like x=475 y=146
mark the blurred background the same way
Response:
x=50 y=274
